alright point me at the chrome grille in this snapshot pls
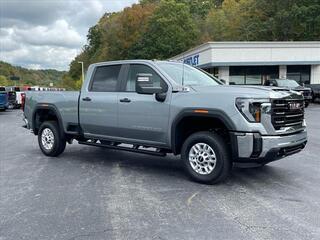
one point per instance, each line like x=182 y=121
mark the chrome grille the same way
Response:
x=287 y=113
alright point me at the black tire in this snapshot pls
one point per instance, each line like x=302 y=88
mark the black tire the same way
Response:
x=59 y=141
x=306 y=104
x=223 y=160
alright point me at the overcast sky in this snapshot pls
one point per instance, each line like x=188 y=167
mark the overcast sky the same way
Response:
x=41 y=34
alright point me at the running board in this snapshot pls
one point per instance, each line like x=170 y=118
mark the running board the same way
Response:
x=134 y=148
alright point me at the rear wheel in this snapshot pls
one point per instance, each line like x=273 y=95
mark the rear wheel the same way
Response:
x=206 y=158
x=52 y=143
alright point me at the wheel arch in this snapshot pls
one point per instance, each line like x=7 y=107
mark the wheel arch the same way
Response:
x=218 y=118
x=46 y=112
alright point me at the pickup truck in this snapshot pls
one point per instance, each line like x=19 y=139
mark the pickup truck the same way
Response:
x=292 y=85
x=14 y=96
x=3 y=99
x=315 y=89
x=161 y=107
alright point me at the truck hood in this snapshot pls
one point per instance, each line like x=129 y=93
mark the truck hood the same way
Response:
x=246 y=91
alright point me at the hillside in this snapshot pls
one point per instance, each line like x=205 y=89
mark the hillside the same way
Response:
x=29 y=76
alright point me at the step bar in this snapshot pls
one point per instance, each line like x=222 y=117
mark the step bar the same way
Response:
x=134 y=148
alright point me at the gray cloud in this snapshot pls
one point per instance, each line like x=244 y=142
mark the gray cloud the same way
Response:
x=34 y=12
x=48 y=33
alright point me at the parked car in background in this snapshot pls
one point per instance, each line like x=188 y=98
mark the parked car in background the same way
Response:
x=315 y=91
x=12 y=99
x=15 y=96
x=159 y=107
x=292 y=85
x=3 y=99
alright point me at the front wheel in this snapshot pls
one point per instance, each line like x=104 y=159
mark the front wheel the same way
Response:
x=52 y=143
x=206 y=158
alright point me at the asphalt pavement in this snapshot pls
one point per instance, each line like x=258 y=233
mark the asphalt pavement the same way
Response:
x=95 y=193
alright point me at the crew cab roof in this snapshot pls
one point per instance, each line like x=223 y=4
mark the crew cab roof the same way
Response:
x=122 y=62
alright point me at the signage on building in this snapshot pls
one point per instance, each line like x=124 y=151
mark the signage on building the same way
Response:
x=192 y=60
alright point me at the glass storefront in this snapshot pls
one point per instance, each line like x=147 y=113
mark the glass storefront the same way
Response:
x=252 y=75
x=300 y=73
x=257 y=75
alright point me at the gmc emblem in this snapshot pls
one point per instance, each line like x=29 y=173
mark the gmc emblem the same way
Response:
x=294 y=105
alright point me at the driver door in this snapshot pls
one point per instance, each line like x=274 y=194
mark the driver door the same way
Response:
x=142 y=118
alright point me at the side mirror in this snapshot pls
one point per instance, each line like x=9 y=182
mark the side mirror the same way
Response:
x=144 y=84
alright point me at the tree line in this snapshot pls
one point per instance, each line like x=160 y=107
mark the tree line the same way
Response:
x=29 y=77
x=159 y=29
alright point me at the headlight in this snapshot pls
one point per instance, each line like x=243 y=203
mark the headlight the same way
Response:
x=251 y=108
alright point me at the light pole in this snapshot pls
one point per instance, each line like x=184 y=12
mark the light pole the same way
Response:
x=82 y=72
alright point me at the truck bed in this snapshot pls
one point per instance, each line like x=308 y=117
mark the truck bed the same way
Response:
x=66 y=102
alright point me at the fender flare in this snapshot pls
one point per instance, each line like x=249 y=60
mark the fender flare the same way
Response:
x=190 y=112
x=46 y=106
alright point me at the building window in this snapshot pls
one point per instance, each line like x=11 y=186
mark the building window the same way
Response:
x=252 y=75
x=300 y=73
x=214 y=71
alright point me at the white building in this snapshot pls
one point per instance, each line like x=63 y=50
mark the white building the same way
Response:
x=254 y=62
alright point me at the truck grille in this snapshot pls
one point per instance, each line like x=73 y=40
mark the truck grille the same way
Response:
x=287 y=113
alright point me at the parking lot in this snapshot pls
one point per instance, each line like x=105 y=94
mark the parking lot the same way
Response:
x=93 y=193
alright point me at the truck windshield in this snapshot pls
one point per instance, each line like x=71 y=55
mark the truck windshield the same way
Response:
x=191 y=75
x=287 y=83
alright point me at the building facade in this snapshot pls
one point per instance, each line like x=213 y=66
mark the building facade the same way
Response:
x=255 y=62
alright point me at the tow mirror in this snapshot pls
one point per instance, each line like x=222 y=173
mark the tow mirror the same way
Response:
x=144 y=84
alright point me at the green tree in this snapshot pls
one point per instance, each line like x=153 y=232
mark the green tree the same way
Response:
x=228 y=22
x=125 y=29
x=171 y=30
x=288 y=20
x=4 y=81
x=200 y=8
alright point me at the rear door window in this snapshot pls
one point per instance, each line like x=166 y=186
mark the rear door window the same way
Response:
x=105 y=79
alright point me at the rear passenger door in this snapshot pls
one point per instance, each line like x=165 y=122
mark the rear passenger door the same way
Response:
x=99 y=104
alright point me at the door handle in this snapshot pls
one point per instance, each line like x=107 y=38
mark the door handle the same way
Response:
x=86 y=99
x=125 y=100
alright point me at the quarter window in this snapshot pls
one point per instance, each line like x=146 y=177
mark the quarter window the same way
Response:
x=105 y=78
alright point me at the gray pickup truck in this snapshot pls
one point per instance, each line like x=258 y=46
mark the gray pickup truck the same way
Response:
x=160 y=107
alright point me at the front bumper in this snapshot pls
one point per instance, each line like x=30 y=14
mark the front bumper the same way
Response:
x=254 y=148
